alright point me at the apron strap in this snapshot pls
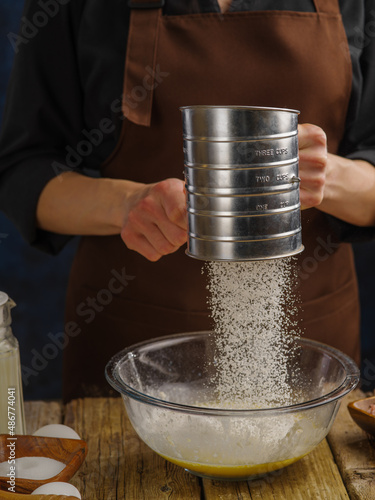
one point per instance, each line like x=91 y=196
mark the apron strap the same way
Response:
x=140 y=63
x=327 y=6
x=139 y=77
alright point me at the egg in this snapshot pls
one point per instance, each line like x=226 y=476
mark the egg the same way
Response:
x=57 y=488
x=57 y=431
x=34 y=468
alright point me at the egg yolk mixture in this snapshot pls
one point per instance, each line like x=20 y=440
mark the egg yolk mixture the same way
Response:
x=231 y=471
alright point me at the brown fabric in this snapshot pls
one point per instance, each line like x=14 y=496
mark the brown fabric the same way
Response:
x=281 y=59
x=139 y=81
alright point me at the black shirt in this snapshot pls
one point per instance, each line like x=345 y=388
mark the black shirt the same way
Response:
x=67 y=82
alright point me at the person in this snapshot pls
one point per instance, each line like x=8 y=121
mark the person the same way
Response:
x=92 y=145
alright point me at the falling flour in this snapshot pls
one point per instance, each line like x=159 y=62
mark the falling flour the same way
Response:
x=253 y=308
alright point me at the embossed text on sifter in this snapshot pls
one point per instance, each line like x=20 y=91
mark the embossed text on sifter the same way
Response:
x=242 y=184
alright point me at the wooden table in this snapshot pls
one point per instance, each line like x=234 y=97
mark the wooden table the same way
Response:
x=120 y=466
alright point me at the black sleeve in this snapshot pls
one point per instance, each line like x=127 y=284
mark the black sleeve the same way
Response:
x=359 y=139
x=43 y=113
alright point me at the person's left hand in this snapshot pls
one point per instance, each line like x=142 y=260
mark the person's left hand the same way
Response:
x=313 y=157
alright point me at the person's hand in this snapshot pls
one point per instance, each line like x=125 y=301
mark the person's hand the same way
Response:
x=156 y=220
x=313 y=157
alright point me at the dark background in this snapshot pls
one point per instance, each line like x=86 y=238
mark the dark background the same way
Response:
x=34 y=280
x=37 y=281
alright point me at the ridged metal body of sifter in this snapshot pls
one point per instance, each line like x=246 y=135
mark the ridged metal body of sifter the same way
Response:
x=242 y=185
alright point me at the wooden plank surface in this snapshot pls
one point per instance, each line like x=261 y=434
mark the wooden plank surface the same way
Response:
x=314 y=477
x=120 y=466
x=39 y=414
x=353 y=452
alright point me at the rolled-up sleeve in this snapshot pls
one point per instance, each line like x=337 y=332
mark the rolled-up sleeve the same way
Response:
x=42 y=116
x=359 y=139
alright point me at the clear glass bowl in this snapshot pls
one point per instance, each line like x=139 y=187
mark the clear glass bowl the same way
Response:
x=168 y=388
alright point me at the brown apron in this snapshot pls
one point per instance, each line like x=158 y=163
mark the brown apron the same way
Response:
x=270 y=58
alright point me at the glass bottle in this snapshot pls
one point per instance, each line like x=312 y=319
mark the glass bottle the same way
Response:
x=12 y=416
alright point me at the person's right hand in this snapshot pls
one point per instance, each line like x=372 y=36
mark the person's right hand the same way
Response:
x=156 y=219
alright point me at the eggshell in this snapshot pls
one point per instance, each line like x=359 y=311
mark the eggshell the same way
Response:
x=57 y=489
x=57 y=431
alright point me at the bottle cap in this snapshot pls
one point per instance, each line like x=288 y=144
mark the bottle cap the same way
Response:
x=6 y=305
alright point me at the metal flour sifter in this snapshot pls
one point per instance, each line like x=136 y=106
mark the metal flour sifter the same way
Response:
x=242 y=185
